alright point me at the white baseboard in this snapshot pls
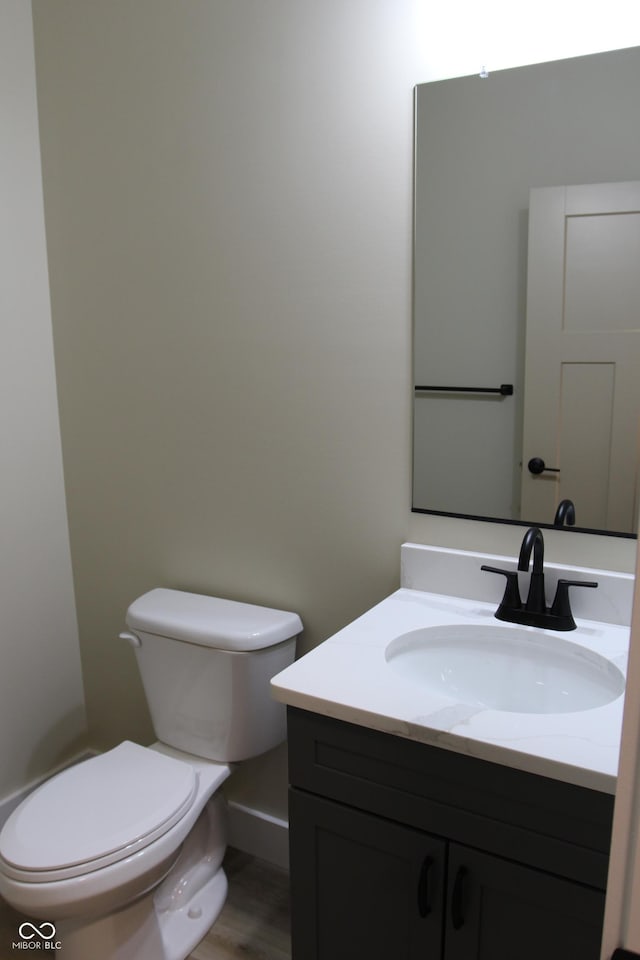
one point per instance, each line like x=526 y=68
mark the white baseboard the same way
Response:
x=259 y=834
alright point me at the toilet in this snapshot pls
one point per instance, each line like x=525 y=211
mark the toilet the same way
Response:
x=122 y=853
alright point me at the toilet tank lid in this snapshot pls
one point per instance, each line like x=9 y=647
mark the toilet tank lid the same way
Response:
x=211 y=621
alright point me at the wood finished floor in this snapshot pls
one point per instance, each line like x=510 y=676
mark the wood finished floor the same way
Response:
x=253 y=925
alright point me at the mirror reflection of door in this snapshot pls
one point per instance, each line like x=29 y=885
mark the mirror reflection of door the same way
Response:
x=582 y=378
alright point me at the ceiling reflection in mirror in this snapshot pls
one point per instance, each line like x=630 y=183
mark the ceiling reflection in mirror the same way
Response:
x=527 y=294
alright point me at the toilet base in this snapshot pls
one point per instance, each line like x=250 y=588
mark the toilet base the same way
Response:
x=139 y=933
x=185 y=928
x=168 y=921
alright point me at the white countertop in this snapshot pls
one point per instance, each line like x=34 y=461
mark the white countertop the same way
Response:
x=347 y=677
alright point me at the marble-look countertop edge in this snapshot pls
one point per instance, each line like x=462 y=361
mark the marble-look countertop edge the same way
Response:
x=492 y=752
x=346 y=678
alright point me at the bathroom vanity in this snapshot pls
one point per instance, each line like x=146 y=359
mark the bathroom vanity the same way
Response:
x=403 y=850
x=426 y=826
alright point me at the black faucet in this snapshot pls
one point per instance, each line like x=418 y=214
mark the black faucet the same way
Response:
x=535 y=613
x=533 y=540
x=566 y=513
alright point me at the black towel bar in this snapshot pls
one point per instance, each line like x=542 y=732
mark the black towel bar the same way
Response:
x=505 y=389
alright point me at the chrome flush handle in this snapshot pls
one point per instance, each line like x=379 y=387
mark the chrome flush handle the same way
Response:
x=131 y=638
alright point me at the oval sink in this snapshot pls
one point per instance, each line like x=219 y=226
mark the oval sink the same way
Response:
x=505 y=668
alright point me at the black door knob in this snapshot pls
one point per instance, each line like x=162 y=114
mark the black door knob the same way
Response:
x=537 y=465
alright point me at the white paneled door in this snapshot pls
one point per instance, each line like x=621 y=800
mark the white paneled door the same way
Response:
x=582 y=377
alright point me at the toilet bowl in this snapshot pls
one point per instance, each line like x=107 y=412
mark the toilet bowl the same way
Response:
x=123 y=852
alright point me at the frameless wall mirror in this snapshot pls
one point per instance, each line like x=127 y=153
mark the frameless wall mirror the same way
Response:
x=527 y=295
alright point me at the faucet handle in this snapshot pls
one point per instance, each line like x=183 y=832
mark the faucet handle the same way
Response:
x=561 y=606
x=511 y=599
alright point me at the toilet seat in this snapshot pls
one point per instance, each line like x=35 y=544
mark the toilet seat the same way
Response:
x=96 y=813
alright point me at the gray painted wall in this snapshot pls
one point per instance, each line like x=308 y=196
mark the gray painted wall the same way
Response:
x=228 y=203
x=42 y=719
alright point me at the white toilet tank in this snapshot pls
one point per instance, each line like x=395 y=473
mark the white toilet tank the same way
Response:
x=206 y=664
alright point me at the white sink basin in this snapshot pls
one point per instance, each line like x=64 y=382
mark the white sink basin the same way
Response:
x=505 y=668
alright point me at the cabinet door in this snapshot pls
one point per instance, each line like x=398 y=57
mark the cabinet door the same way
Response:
x=362 y=886
x=498 y=910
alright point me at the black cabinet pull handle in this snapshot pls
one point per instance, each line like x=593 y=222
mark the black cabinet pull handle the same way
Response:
x=457 y=911
x=424 y=907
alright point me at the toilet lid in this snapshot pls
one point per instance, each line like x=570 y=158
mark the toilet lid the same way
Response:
x=98 y=812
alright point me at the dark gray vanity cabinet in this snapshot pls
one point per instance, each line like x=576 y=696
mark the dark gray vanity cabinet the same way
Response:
x=400 y=850
x=357 y=880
